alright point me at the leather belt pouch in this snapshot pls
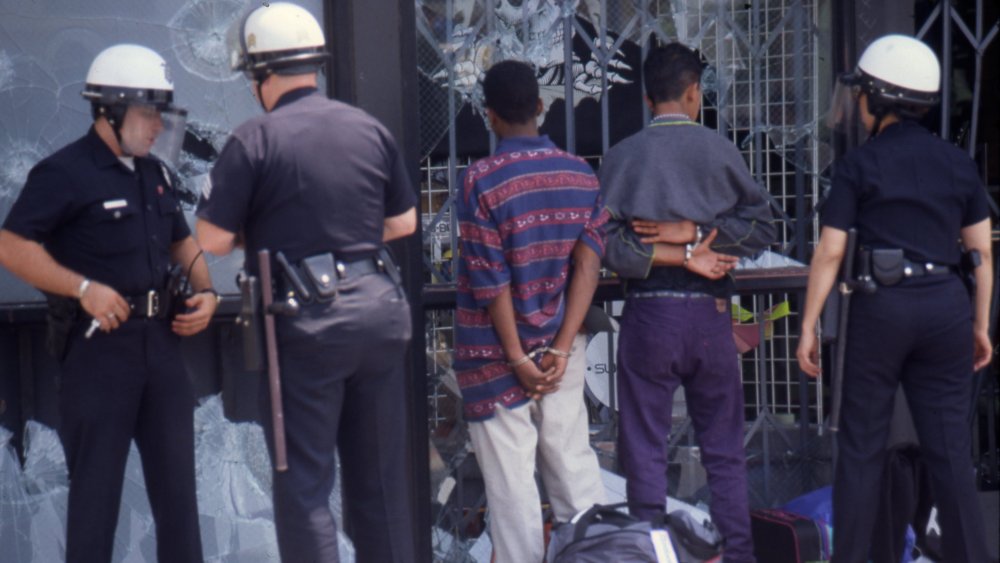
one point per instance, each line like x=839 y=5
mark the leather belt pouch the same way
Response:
x=321 y=270
x=887 y=265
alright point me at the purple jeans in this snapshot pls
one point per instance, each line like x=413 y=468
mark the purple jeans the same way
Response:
x=671 y=341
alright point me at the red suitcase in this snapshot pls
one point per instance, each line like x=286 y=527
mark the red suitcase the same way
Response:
x=785 y=537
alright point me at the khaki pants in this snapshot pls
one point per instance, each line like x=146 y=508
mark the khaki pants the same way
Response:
x=554 y=433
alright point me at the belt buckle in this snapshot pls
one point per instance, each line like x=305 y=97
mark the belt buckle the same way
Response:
x=152 y=303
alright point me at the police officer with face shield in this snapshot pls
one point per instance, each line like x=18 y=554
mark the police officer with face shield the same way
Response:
x=322 y=184
x=98 y=229
x=916 y=202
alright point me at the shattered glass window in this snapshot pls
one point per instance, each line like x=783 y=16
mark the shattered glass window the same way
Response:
x=234 y=497
x=46 y=48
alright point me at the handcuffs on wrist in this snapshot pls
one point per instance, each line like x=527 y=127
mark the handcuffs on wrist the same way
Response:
x=689 y=247
x=537 y=352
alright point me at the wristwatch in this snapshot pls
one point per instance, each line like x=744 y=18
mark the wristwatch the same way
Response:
x=82 y=289
x=218 y=298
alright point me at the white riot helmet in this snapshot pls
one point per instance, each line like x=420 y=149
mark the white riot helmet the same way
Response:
x=126 y=74
x=900 y=70
x=278 y=38
x=129 y=74
x=898 y=73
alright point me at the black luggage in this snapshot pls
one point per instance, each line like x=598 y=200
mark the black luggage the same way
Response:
x=780 y=536
x=602 y=534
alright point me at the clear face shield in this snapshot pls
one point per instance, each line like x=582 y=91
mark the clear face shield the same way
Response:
x=171 y=138
x=844 y=114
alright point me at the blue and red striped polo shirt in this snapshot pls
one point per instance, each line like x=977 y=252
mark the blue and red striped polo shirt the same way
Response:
x=520 y=212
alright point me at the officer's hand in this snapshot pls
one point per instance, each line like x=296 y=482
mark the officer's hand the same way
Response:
x=707 y=263
x=808 y=352
x=202 y=306
x=673 y=232
x=536 y=381
x=983 y=350
x=105 y=305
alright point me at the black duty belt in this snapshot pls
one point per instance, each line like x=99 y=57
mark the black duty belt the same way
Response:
x=358 y=268
x=317 y=277
x=889 y=266
x=920 y=269
x=154 y=304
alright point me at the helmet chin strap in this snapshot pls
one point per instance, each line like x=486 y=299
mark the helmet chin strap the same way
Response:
x=878 y=111
x=117 y=128
x=259 y=78
x=116 y=118
x=875 y=127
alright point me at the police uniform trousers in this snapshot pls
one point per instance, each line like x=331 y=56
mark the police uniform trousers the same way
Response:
x=666 y=342
x=343 y=390
x=917 y=334
x=116 y=387
x=552 y=436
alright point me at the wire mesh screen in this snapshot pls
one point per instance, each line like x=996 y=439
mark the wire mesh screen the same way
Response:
x=762 y=91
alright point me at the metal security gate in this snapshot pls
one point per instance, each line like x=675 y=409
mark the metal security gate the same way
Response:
x=763 y=90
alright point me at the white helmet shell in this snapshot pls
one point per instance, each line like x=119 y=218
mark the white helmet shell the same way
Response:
x=276 y=36
x=126 y=73
x=903 y=62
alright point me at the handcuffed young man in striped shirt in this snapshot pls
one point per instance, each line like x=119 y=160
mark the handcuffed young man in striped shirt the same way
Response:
x=530 y=221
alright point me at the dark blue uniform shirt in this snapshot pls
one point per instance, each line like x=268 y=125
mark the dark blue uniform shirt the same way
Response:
x=313 y=175
x=100 y=219
x=908 y=189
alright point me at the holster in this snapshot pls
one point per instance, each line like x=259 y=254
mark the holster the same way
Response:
x=63 y=313
x=392 y=270
x=863 y=266
x=888 y=265
x=178 y=291
x=971 y=259
x=249 y=321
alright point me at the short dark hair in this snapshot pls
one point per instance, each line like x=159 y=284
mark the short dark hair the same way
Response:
x=669 y=70
x=511 y=91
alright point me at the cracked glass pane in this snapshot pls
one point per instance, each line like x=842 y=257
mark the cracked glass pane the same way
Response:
x=198 y=36
x=751 y=78
x=46 y=48
x=457 y=40
x=233 y=473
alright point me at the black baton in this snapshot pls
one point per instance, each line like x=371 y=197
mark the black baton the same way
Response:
x=273 y=373
x=846 y=287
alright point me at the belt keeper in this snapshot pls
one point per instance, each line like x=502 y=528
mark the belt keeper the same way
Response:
x=152 y=303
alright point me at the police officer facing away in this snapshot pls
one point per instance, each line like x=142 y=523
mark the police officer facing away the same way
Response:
x=912 y=198
x=96 y=228
x=323 y=183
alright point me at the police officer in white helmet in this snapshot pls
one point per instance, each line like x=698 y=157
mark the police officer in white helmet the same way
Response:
x=98 y=229
x=323 y=184
x=916 y=202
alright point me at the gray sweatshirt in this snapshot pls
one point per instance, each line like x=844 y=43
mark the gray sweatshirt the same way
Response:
x=675 y=170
